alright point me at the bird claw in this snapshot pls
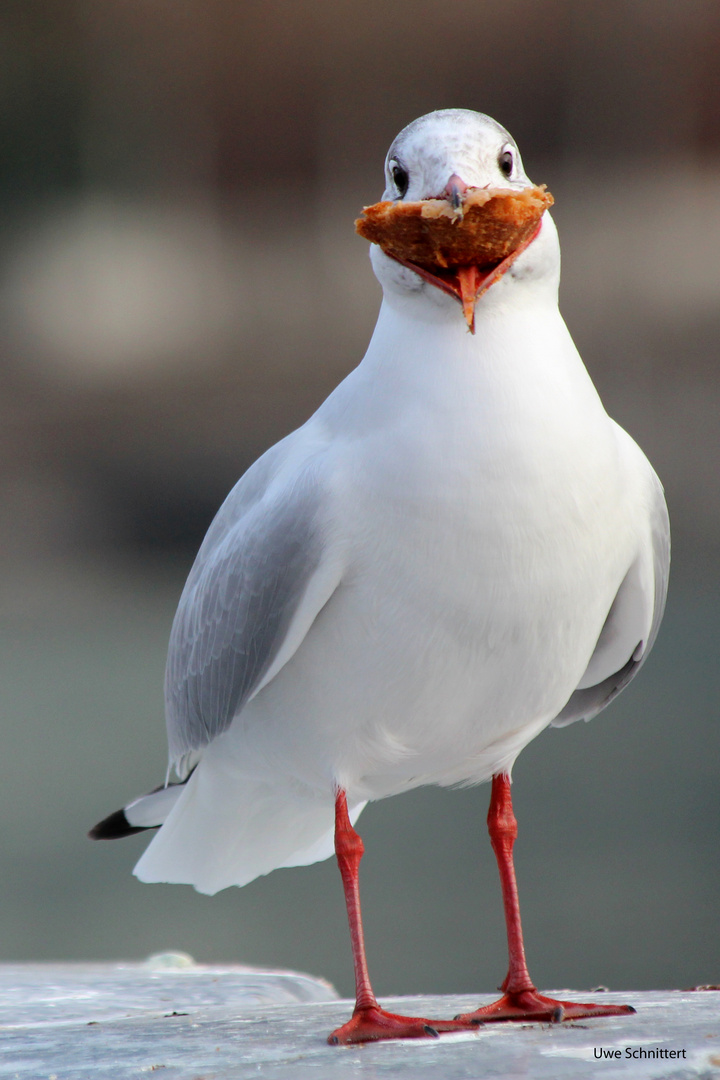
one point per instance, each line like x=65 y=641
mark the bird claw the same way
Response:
x=529 y=1006
x=372 y=1024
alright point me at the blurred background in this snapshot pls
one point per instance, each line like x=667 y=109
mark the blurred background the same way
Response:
x=181 y=285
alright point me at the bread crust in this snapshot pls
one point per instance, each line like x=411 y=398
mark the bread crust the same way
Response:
x=488 y=225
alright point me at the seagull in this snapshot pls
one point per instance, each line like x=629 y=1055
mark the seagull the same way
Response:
x=457 y=550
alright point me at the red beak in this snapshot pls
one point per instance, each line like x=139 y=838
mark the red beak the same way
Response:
x=454 y=190
x=468 y=283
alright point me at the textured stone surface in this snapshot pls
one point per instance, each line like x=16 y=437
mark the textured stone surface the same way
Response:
x=189 y=1022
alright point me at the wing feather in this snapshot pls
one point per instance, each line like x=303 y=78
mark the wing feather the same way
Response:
x=243 y=593
x=588 y=701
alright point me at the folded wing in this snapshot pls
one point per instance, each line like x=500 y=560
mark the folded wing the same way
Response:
x=631 y=625
x=262 y=575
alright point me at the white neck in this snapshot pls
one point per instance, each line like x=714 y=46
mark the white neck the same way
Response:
x=519 y=373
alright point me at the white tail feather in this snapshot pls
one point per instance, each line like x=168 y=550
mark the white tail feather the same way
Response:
x=227 y=829
x=151 y=810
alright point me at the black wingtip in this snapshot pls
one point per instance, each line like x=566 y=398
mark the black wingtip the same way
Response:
x=114 y=826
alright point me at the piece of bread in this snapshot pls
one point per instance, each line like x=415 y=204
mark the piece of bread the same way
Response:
x=489 y=225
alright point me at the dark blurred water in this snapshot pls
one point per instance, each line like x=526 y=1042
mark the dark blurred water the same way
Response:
x=619 y=819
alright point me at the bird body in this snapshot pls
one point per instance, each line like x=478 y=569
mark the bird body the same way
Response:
x=477 y=512
x=456 y=550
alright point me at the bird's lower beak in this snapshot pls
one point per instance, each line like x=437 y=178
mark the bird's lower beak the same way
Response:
x=470 y=280
x=468 y=283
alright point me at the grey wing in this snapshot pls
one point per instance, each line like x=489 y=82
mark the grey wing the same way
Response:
x=587 y=701
x=244 y=591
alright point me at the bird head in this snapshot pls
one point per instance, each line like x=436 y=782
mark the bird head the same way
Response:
x=448 y=159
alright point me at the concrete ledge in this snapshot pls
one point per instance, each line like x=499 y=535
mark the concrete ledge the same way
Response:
x=192 y=1022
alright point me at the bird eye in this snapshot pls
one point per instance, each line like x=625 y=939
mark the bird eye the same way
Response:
x=401 y=178
x=506 y=163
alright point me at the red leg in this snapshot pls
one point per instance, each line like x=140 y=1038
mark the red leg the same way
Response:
x=369 y=1022
x=520 y=1000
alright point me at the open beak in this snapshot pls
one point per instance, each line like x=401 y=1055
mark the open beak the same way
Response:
x=467 y=283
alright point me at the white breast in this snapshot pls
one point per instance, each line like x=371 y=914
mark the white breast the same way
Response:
x=485 y=517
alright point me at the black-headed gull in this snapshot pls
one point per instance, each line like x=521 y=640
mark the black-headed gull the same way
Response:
x=457 y=550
